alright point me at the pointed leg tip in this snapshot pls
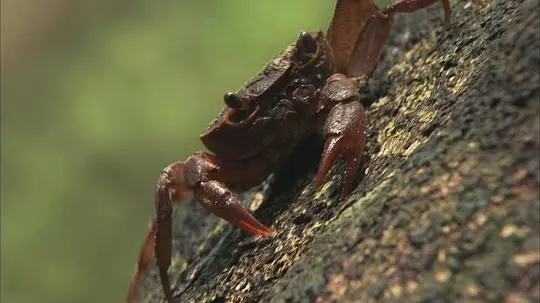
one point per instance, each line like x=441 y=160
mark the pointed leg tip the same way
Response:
x=344 y=194
x=318 y=182
x=166 y=286
x=265 y=233
x=319 y=176
x=256 y=228
x=261 y=230
x=132 y=293
x=346 y=189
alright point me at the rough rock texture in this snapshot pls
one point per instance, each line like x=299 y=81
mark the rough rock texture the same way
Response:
x=447 y=205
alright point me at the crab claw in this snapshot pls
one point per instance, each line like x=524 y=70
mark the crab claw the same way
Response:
x=219 y=200
x=344 y=129
x=344 y=132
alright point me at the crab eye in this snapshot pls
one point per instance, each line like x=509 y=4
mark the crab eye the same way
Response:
x=234 y=101
x=306 y=43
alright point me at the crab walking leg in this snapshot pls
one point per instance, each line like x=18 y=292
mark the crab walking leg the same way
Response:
x=344 y=129
x=163 y=231
x=347 y=22
x=145 y=256
x=171 y=187
x=362 y=58
x=369 y=45
x=407 y=6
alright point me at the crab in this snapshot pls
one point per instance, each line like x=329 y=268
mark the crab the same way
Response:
x=312 y=83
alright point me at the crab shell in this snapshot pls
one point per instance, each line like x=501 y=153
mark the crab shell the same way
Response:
x=280 y=103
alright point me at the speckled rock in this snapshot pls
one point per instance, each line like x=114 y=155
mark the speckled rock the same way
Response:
x=447 y=204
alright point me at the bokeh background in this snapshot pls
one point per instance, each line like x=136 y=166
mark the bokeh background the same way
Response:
x=97 y=97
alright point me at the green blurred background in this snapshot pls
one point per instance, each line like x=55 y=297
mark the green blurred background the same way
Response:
x=98 y=97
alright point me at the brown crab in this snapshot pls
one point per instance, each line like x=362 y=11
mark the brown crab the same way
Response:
x=313 y=81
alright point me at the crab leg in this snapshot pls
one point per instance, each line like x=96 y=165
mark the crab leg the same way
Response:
x=177 y=182
x=344 y=129
x=347 y=22
x=362 y=22
x=369 y=45
x=407 y=6
x=170 y=188
x=145 y=255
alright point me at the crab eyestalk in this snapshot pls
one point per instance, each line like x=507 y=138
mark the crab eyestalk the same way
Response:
x=306 y=47
x=234 y=101
x=306 y=43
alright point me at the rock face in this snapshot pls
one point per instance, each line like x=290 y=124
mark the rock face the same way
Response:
x=447 y=204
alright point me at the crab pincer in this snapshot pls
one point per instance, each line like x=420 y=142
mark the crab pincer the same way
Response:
x=344 y=129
